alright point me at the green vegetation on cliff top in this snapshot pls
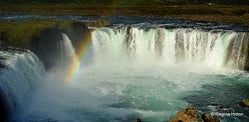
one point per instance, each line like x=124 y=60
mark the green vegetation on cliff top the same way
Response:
x=19 y=33
x=208 y=13
x=227 y=11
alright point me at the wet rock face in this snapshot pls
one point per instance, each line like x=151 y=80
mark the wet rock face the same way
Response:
x=78 y=33
x=47 y=46
x=246 y=51
x=190 y=115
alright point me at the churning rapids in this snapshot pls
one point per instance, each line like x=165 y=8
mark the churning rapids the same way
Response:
x=134 y=72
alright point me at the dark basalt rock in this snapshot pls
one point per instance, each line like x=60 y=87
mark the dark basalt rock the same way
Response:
x=78 y=32
x=128 y=31
x=245 y=51
x=47 y=45
x=138 y=120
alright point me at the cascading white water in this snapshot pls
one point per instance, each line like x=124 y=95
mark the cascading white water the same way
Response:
x=23 y=72
x=19 y=79
x=66 y=50
x=69 y=52
x=135 y=73
x=65 y=54
x=169 y=46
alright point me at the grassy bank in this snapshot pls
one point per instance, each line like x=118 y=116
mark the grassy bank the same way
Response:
x=208 y=13
x=125 y=2
x=18 y=34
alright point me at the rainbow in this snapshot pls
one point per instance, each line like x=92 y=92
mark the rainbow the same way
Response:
x=80 y=54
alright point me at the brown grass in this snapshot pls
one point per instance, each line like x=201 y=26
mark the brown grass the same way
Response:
x=214 y=13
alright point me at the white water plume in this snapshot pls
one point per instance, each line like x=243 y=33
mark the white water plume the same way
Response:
x=167 y=46
x=19 y=79
x=68 y=50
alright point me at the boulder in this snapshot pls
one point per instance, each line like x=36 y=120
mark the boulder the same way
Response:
x=138 y=120
x=208 y=118
x=188 y=115
x=244 y=103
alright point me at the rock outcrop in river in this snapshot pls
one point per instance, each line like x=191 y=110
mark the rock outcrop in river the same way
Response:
x=244 y=103
x=190 y=115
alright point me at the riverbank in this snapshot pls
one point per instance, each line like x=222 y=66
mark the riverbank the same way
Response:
x=206 y=13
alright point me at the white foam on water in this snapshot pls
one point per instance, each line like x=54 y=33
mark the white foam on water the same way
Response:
x=135 y=73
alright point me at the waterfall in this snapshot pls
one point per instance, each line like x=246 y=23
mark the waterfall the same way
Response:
x=21 y=74
x=215 y=49
x=66 y=51
x=104 y=94
x=20 y=77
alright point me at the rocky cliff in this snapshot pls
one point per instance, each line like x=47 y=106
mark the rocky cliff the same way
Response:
x=43 y=37
x=45 y=46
